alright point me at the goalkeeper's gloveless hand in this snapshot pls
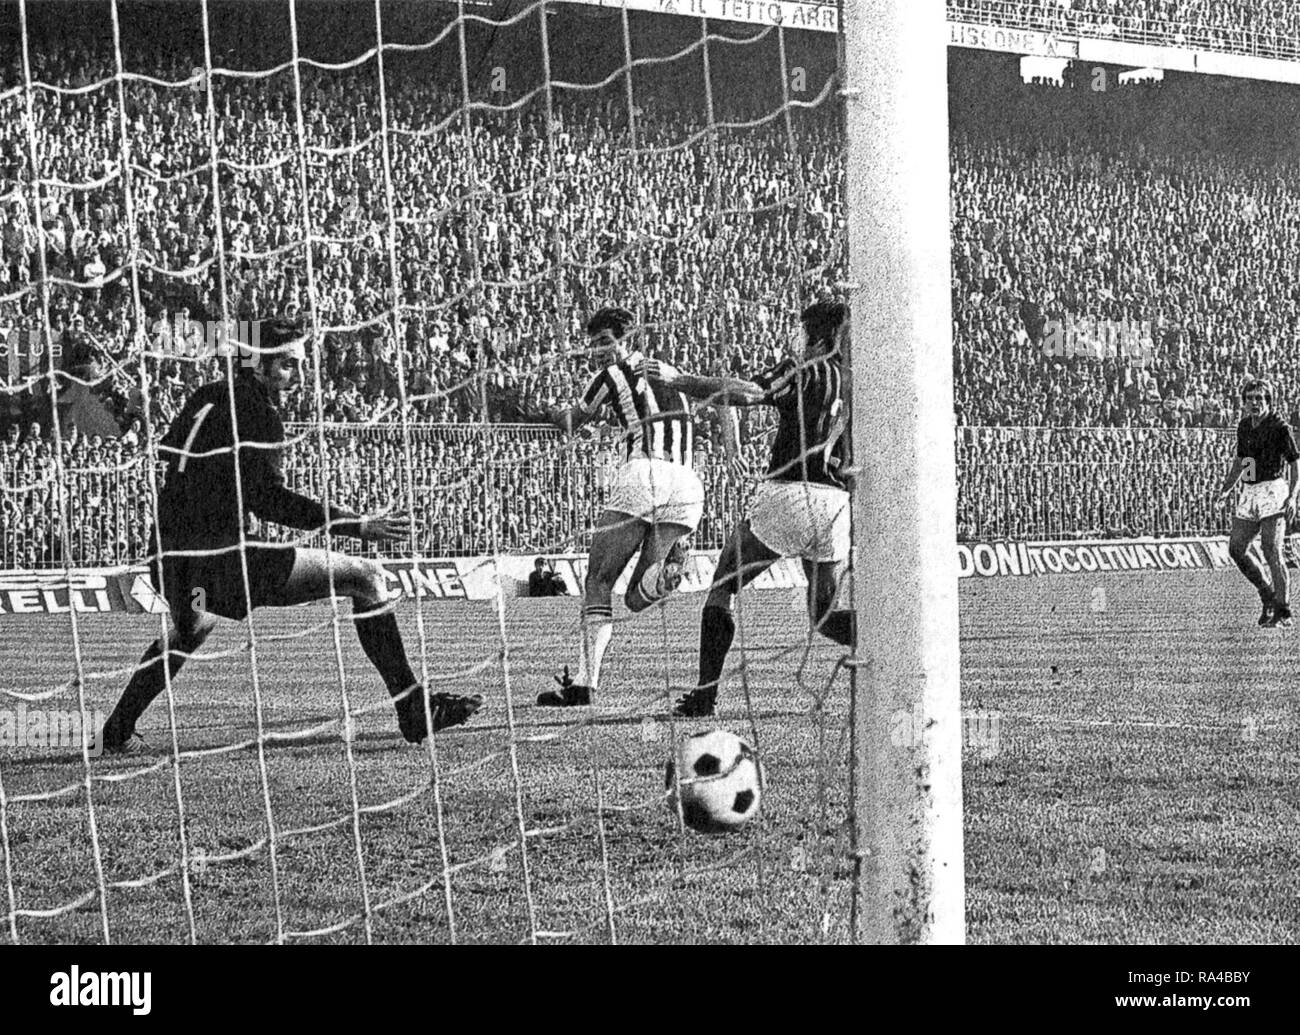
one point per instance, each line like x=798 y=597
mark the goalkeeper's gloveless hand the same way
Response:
x=386 y=527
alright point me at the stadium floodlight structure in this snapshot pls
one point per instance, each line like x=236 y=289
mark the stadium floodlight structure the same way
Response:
x=907 y=789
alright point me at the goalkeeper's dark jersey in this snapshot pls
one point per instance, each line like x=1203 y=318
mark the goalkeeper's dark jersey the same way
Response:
x=198 y=507
x=812 y=437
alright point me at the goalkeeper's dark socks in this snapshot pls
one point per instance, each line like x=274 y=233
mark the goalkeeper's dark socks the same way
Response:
x=717 y=630
x=146 y=684
x=118 y=728
x=840 y=626
x=381 y=639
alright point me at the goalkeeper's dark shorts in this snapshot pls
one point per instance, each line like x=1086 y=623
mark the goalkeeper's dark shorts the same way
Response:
x=194 y=583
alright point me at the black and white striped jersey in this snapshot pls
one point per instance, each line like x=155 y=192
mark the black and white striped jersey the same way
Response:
x=656 y=420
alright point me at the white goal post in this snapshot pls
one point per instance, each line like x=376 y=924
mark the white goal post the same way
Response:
x=906 y=789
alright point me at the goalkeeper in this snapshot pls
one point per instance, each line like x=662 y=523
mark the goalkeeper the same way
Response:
x=201 y=568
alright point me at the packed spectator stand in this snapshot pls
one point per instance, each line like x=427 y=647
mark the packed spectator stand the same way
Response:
x=1262 y=28
x=1172 y=208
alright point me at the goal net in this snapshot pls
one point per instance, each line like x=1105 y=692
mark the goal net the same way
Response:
x=443 y=193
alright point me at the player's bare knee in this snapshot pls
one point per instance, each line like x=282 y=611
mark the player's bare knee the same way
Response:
x=367 y=586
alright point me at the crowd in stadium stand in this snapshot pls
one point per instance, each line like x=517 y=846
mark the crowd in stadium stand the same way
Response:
x=1269 y=28
x=1120 y=260
x=535 y=494
x=1074 y=208
x=705 y=281
x=1064 y=483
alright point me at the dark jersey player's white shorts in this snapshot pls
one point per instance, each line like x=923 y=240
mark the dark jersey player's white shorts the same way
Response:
x=659 y=492
x=1263 y=500
x=802 y=519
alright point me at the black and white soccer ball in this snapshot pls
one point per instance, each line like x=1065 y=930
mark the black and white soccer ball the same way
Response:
x=719 y=785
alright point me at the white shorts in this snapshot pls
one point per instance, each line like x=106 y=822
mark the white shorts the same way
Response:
x=1263 y=500
x=802 y=519
x=658 y=491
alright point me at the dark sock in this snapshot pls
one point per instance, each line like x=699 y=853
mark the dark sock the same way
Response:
x=717 y=629
x=146 y=684
x=1251 y=569
x=382 y=641
x=840 y=626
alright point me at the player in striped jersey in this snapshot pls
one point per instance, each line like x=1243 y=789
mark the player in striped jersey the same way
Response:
x=657 y=499
x=802 y=507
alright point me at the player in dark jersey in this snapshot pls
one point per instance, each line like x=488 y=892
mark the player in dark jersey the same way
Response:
x=1266 y=451
x=201 y=569
x=656 y=501
x=802 y=507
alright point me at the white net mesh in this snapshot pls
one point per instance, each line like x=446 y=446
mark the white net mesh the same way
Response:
x=443 y=193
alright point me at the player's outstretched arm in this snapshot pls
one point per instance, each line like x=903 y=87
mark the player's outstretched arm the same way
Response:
x=736 y=462
x=260 y=439
x=266 y=495
x=385 y=527
x=721 y=391
x=569 y=419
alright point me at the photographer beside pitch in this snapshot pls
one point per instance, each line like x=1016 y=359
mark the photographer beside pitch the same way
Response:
x=1265 y=443
x=544 y=582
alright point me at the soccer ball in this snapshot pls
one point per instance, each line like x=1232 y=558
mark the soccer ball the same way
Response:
x=720 y=785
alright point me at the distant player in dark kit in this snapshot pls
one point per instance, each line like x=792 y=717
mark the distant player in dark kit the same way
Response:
x=1266 y=451
x=201 y=572
x=802 y=507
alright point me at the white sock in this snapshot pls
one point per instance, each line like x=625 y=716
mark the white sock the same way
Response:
x=598 y=632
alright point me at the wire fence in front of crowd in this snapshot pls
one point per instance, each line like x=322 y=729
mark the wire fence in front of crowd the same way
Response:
x=1054 y=500
x=548 y=492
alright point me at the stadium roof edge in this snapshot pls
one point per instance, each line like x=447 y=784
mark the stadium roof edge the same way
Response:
x=1120 y=52
x=817 y=15
x=823 y=16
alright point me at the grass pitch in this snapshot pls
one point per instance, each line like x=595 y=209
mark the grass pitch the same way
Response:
x=1131 y=777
